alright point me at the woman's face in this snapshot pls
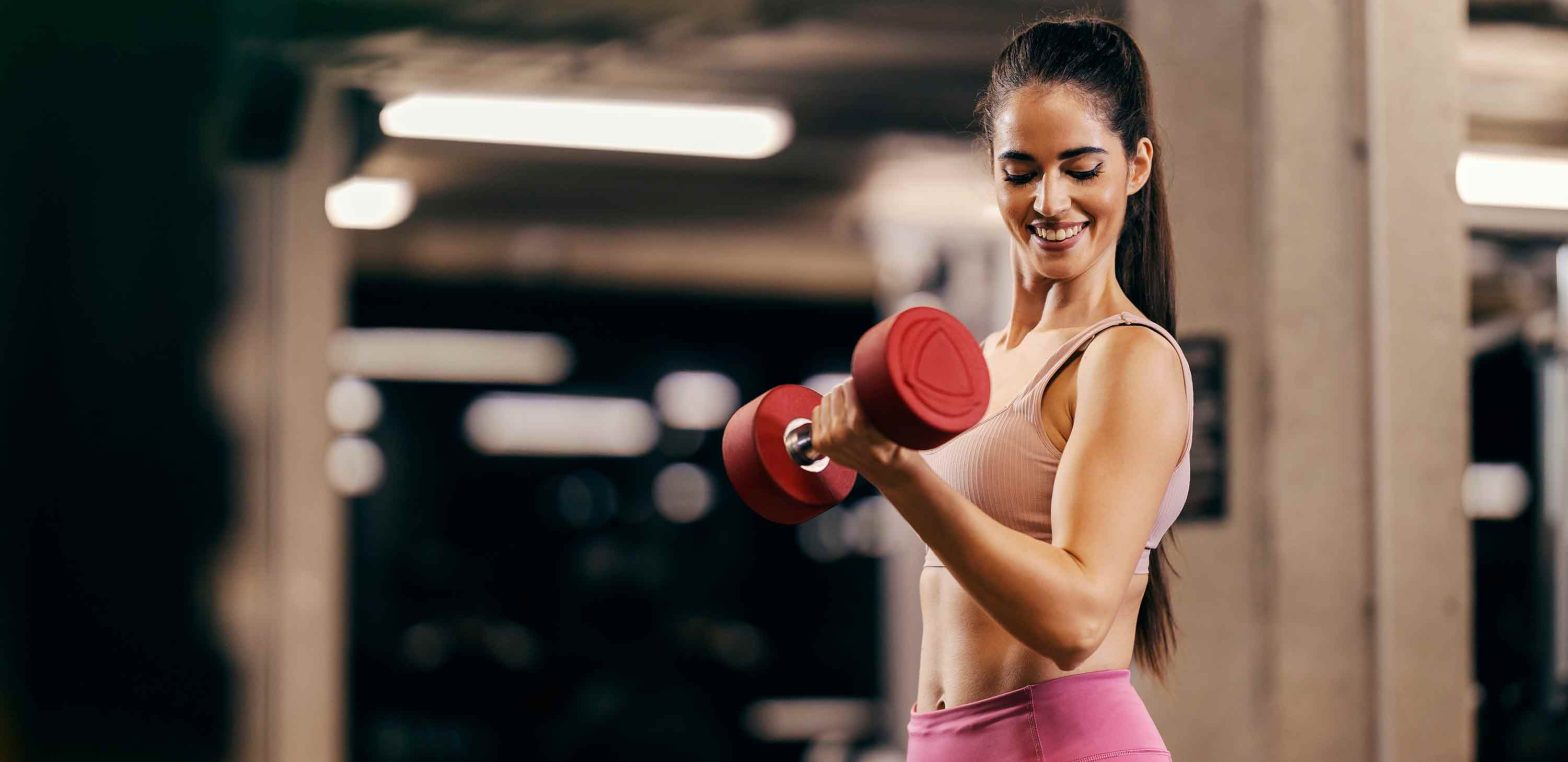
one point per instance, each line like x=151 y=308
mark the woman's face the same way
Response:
x=1062 y=179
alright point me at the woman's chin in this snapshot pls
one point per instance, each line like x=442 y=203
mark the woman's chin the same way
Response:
x=1053 y=265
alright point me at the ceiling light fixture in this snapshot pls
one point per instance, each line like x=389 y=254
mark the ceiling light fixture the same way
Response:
x=693 y=129
x=369 y=203
x=1518 y=181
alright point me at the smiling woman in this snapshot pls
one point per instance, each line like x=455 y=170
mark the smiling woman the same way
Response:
x=1044 y=571
x=1049 y=202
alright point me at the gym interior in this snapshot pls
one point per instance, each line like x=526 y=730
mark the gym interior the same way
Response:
x=341 y=426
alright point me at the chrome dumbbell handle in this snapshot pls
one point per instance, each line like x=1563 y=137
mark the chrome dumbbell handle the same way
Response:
x=797 y=442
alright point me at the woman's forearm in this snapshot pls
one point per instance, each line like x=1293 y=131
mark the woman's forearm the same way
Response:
x=1036 y=591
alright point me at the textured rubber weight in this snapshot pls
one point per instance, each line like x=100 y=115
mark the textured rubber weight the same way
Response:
x=760 y=468
x=921 y=378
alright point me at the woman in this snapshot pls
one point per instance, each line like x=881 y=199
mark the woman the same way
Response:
x=1044 y=577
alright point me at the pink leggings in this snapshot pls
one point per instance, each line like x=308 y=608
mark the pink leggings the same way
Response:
x=1078 y=718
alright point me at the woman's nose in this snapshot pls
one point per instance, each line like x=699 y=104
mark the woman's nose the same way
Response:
x=1051 y=200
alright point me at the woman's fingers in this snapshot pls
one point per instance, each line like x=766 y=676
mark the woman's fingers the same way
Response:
x=849 y=405
x=819 y=424
x=830 y=415
x=836 y=417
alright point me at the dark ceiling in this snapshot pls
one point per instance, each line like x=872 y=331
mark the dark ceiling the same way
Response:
x=848 y=70
x=845 y=70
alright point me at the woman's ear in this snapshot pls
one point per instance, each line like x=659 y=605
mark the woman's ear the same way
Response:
x=1140 y=165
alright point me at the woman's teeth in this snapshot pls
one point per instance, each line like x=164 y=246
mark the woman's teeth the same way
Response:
x=1058 y=235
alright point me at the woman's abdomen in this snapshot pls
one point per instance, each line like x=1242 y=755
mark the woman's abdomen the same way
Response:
x=966 y=656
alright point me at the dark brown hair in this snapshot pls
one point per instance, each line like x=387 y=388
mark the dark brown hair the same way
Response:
x=1100 y=59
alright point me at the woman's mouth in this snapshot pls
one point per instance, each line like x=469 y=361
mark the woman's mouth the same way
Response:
x=1058 y=238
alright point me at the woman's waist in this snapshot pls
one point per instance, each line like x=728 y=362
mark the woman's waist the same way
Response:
x=948 y=610
x=965 y=655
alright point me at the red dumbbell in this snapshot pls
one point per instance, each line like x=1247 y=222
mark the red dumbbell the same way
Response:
x=919 y=377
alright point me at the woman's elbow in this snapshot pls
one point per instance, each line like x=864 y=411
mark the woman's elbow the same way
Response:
x=1067 y=647
x=1066 y=659
x=1071 y=658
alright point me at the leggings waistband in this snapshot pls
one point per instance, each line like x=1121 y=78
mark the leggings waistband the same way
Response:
x=1024 y=696
x=1068 y=718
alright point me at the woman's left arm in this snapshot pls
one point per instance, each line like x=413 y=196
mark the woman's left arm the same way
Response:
x=1060 y=599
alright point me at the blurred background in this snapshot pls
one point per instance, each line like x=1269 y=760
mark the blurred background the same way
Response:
x=341 y=422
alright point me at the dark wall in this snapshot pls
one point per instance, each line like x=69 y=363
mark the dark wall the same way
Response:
x=639 y=638
x=113 y=472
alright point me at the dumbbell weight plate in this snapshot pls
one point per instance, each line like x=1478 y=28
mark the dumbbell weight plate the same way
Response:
x=760 y=468
x=920 y=377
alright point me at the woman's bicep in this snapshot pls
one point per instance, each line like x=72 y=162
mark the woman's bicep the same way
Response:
x=1129 y=428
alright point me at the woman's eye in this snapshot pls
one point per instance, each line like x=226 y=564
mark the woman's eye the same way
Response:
x=1086 y=175
x=1017 y=179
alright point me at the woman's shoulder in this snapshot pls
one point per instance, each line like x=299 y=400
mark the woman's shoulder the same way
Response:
x=1134 y=381
x=1141 y=362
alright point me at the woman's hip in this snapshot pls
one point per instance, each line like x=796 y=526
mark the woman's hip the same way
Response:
x=1078 y=718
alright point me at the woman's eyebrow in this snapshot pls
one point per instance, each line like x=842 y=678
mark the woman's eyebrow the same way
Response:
x=1079 y=151
x=1063 y=156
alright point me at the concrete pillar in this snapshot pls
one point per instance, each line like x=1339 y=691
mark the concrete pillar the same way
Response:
x=1420 y=313
x=308 y=524
x=283 y=573
x=1311 y=147
x=1219 y=700
x=1312 y=242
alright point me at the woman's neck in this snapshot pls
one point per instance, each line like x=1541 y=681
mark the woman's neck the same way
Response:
x=1048 y=305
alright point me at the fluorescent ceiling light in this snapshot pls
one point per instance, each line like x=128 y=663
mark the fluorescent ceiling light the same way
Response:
x=355 y=466
x=507 y=423
x=1497 y=491
x=822 y=383
x=428 y=354
x=696 y=399
x=683 y=492
x=694 y=129
x=369 y=203
x=1523 y=182
x=353 y=405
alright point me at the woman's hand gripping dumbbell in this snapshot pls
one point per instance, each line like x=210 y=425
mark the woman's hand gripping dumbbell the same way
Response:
x=918 y=377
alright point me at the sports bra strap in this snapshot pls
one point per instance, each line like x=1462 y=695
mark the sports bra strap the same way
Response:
x=1058 y=359
x=1069 y=348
